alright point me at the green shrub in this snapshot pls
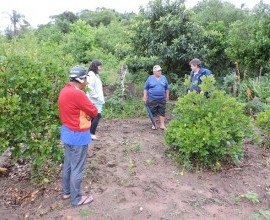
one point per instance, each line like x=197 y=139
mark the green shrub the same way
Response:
x=255 y=107
x=30 y=80
x=123 y=107
x=260 y=87
x=263 y=121
x=207 y=131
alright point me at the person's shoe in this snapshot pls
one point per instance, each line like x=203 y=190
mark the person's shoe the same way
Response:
x=85 y=200
x=66 y=196
x=94 y=137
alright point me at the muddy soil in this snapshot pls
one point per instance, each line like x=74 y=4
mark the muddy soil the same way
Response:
x=130 y=177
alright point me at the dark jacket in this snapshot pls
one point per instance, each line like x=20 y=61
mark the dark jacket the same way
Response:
x=196 y=79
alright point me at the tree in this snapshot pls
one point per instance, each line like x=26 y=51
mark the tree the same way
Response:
x=63 y=21
x=80 y=41
x=165 y=33
x=99 y=16
x=16 y=19
x=249 y=40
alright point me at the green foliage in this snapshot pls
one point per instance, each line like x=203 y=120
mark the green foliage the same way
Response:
x=248 y=40
x=255 y=107
x=208 y=11
x=252 y=197
x=261 y=215
x=164 y=29
x=114 y=38
x=263 y=121
x=260 y=87
x=79 y=41
x=120 y=107
x=101 y=16
x=30 y=79
x=206 y=131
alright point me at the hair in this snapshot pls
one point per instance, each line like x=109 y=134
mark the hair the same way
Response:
x=93 y=66
x=195 y=62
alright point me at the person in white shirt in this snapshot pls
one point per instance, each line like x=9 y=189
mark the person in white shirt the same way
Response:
x=95 y=93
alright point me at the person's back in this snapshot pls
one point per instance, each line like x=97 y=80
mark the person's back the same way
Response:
x=75 y=111
x=73 y=105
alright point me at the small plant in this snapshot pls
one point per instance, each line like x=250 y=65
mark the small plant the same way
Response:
x=268 y=192
x=131 y=167
x=238 y=199
x=137 y=148
x=150 y=162
x=252 y=197
x=263 y=121
x=84 y=213
x=261 y=215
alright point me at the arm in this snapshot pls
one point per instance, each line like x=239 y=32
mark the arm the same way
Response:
x=145 y=91
x=167 y=91
x=167 y=95
x=91 y=86
x=86 y=105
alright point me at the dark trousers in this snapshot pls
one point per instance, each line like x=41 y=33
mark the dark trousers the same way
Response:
x=95 y=124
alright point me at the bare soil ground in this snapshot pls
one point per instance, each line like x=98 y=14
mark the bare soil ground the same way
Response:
x=130 y=177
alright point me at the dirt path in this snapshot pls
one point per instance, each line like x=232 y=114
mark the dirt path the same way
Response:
x=131 y=178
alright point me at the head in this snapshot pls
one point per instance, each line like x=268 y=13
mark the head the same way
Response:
x=78 y=76
x=95 y=66
x=157 y=70
x=195 y=65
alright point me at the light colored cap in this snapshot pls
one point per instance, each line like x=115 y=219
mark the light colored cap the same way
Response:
x=156 y=68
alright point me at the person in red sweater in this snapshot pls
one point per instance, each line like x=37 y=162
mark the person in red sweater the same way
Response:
x=76 y=112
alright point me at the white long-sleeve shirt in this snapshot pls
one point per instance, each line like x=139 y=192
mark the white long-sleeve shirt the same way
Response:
x=95 y=93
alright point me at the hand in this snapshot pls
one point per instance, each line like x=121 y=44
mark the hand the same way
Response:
x=145 y=99
x=167 y=99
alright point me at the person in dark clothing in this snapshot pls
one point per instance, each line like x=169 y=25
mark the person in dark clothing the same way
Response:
x=197 y=72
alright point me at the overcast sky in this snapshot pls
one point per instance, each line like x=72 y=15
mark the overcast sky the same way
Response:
x=38 y=11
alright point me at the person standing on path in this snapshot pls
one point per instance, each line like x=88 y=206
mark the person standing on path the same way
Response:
x=76 y=111
x=156 y=94
x=95 y=93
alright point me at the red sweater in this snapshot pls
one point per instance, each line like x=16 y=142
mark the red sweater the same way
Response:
x=75 y=108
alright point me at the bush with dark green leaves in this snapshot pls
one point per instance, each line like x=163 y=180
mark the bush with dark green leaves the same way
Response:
x=207 y=131
x=30 y=80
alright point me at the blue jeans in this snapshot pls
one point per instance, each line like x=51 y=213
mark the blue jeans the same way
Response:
x=74 y=163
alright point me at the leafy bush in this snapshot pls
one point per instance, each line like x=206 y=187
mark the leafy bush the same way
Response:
x=255 y=107
x=206 y=131
x=30 y=80
x=260 y=87
x=123 y=107
x=263 y=121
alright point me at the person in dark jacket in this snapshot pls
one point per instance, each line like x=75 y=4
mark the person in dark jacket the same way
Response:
x=197 y=72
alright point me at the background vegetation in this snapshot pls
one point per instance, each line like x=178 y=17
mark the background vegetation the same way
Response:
x=233 y=42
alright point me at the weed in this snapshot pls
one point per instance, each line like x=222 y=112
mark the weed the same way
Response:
x=131 y=167
x=137 y=148
x=84 y=213
x=261 y=215
x=127 y=147
x=252 y=197
x=238 y=199
x=268 y=192
x=150 y=162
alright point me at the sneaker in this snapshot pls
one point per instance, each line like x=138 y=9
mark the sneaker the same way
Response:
x=94 y=137
x=66 y=196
